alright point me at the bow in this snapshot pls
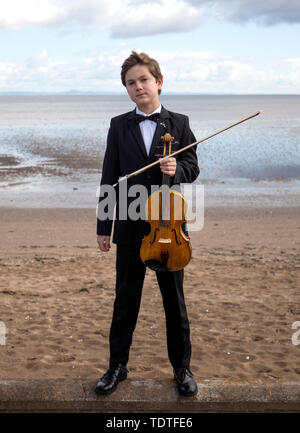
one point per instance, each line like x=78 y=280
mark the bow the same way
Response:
x=127 y=176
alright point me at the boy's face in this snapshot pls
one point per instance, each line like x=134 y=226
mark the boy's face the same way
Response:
x=143 y=88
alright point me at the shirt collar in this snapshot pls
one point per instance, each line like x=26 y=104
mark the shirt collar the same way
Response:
x=138 y=111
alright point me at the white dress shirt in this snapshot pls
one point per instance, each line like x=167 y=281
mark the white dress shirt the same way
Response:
x=148 y=128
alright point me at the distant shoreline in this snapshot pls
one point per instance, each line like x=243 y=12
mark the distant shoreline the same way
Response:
x=90 y=93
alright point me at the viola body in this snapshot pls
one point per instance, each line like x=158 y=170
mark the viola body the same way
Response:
x=166 y=247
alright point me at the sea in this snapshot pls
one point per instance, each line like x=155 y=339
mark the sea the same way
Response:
x=52 y=148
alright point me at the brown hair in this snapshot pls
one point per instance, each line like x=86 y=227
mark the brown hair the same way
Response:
x=141 y=59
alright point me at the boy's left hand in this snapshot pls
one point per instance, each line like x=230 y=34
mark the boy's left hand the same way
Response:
x=168 y=166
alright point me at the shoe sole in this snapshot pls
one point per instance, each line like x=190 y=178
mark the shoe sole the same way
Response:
x=101 y=392
x=186 y=394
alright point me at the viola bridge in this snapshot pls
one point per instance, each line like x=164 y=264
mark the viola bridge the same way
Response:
x=164 y=241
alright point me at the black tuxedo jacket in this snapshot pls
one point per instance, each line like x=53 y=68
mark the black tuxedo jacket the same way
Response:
x=126 y=153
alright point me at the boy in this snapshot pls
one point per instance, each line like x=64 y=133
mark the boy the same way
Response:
x=131 y=144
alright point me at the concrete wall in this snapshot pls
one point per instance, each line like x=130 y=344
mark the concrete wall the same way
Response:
x=76 y=395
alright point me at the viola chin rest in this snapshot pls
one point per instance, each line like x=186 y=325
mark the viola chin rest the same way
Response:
x=155 y=265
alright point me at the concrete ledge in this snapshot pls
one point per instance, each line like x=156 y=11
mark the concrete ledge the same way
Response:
x=77 y=395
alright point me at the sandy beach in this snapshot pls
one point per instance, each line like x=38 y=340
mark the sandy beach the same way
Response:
x=241 y=289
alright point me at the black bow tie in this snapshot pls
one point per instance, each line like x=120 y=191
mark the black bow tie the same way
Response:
x=139 y=118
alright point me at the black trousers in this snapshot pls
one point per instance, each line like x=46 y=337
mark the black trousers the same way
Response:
x=130 y=274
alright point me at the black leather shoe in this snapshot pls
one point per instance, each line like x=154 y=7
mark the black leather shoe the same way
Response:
x=185 y=381
x=109 y=381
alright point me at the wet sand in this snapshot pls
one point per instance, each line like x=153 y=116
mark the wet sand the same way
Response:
x=241 y=289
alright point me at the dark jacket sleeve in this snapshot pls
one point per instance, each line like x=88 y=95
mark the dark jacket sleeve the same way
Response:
x=110 y=175
x=187 y=169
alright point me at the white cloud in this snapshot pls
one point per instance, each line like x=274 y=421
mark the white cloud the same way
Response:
x=294 y=62
x=213 y=72
x=293 y=76
x=156 y=17
x=124 y=18
x=15 y=14
x=128 y=18
x=41 y=73
x=38 y=60
x=190 y=72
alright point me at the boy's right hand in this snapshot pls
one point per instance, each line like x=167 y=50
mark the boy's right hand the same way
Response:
x=103 y=242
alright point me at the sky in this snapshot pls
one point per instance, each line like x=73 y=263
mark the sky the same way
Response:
x=203 y=46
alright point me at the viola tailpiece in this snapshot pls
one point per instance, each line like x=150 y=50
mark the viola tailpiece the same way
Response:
x=166 y=247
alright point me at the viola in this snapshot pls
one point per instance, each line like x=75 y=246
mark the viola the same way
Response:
x=166 y=247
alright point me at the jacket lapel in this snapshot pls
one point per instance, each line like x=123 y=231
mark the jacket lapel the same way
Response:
x=161 y=128
x=136 y=132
